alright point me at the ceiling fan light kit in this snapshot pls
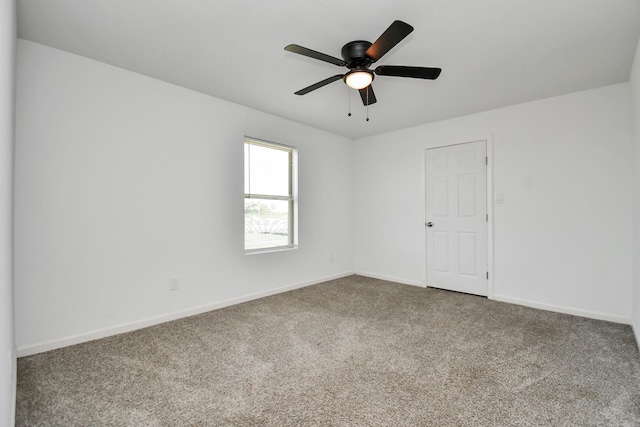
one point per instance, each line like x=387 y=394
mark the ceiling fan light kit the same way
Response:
x=359 y=55
x=358 y=79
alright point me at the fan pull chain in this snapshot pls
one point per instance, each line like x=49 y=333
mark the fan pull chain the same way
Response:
x=349 y=92
x=367 y=103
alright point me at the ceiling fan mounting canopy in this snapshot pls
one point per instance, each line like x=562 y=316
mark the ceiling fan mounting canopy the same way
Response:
x=359 y=55
x=354 y=54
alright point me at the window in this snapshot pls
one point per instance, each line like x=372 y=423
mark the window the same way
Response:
x=270 y=203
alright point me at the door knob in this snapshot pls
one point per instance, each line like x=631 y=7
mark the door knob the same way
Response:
x=429 y=224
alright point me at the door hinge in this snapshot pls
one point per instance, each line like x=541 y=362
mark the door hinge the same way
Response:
x=486 y=160
x=487 y=217
x=487 y=275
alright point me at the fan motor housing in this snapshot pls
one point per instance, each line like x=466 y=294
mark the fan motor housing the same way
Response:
x=354 y=54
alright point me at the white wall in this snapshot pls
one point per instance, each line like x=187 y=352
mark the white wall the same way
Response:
x=563 y=234
x=635 y=119
x=123 y=182
x=7 y=83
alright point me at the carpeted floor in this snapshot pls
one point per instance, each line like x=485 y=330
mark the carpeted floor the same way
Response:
x=354 y=351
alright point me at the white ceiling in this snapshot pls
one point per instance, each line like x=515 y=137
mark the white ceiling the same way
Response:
x=493 y=52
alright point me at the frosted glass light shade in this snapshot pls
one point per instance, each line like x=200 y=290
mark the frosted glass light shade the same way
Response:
x=358 y=79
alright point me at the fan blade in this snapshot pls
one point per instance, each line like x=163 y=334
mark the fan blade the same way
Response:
x=402 y=71
x=315 y=55
x=393 y=35
x=318 y=85
x=371 y=98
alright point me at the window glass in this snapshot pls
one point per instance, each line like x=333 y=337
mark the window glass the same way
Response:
x=268 y=170
x=269 y=196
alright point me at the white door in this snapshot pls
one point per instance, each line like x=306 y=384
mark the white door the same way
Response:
x=456 y=217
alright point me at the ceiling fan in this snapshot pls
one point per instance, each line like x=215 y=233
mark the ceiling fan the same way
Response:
x=359 y=55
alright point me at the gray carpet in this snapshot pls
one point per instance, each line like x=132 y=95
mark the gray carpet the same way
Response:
x=354 y=351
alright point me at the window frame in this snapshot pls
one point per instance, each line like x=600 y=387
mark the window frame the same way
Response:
x=291 y=198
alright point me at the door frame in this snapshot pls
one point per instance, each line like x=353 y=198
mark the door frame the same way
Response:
x=489 y=142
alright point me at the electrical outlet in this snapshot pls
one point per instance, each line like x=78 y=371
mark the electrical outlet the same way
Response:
x=175 y=284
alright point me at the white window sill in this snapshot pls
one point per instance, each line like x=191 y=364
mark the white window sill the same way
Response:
x=268 y=250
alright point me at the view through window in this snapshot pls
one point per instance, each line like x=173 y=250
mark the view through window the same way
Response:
x=269 y=196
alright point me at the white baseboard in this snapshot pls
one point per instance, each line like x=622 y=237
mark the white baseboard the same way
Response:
x=565 y=310
x=390 y=278
x=144 y=323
